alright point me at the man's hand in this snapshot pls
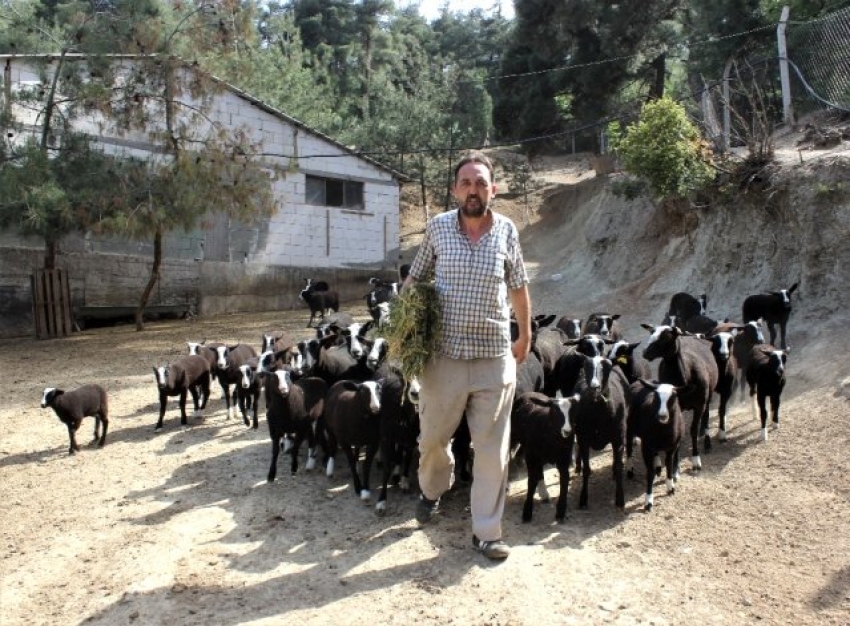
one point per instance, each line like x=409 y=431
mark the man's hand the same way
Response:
x=520 y=349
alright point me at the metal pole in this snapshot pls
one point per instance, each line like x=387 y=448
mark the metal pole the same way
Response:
x=787 y=112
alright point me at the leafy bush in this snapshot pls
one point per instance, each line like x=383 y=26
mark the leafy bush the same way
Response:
x=664 y=148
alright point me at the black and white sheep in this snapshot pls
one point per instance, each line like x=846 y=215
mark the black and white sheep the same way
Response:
x=294 y=408
x=634 y=366
x=656 y=419
x=766 y=379
x=248 y=390
x=320 y=302
x=747 y=336
x=722 y=348
x=774 y=307
x=684 y=306
x=351 y=422
x=542 y=426
x=186 y=375
x=599 y=420
x=398 y=429
x=570 y=325
x=686 y=362
x=316 y=285
x=72 y=406
x=228 y=361
x=603 y=324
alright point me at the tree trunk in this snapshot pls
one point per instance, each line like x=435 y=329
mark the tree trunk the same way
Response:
x=659 y=65
x=424 y=193
x=50 y=250
x=157 y=261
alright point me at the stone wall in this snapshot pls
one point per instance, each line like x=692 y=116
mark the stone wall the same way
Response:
x=210 y=288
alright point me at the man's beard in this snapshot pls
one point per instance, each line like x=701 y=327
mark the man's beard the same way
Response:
x=474 y=209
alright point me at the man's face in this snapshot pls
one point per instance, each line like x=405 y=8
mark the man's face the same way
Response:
x=473 y=189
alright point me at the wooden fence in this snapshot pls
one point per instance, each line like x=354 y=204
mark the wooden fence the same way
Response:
x=51 y=304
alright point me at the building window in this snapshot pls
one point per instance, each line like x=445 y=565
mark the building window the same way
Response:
x=334 y=192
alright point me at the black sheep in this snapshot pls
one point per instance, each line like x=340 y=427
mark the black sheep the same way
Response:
x=686 y=362
x=293 y=407
x=187 y=375
x=72 y=406
x=320 y=302
x=655 y=417
x=766 y=378
x=542 y=426
x=774 y=307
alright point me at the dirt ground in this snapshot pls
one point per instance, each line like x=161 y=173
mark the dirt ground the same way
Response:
x=181 y=527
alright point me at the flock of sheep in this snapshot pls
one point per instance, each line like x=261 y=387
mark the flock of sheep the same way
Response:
x=582 y=388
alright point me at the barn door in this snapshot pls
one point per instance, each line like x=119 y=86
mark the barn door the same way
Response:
x=51 y=304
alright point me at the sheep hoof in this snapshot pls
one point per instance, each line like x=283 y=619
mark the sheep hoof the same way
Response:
x=721 y=436
x=365 y=495
x=405 y=485
x=311 y=463
x=648 y=507
x=381 y=508
x=696 y=463
x=764 y=434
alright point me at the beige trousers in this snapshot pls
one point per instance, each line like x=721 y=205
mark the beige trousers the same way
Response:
x=484 y=388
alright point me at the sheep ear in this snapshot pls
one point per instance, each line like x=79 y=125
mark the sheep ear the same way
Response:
x=615 y=317
x=792 y=288
x=648 y=327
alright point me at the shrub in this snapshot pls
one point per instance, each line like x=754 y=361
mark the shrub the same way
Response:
x=664 y=148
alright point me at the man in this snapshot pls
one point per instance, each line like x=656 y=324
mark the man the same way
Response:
x=477 y=262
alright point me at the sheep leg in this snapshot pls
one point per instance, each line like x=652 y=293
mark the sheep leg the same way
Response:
x=275 y=453
x=387 y=450
x=584 y=462
x=649 y=463
x=296 y=446
x=371 y=450
x=619 y=492
x=255 y=424
x=696 y=462
x=563 y=465
x=183 y=394
x=762 y=397
x=244 y=405
x=102 y=417
x=721 y=416
x=163 y=402
x=535 y=475
x=348 y=451
x=672 y=463
x=706 y=442
x=72 y=436
x=774 y=407
x=196 y=402
x=771 y=328
x=205 y=390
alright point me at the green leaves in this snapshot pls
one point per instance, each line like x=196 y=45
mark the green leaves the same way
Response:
x=665 y=149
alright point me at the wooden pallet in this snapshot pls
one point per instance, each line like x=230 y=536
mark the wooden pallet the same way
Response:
x=51 y=304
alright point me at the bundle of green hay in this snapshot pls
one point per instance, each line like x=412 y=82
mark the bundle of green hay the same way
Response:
x=413 y=332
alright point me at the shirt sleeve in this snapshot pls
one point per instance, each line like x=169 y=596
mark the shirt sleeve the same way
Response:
x=516 y=275
x=423 y=264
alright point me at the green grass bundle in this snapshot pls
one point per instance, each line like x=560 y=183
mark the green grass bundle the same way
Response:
x=413 y=332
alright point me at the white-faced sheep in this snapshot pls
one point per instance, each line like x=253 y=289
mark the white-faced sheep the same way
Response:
x=603 y=324
x=570 y=325
x=634 y=366
x=248 y=390
x=599 y=420
x=766 y=379
x=542 y=426
x=686 y=362
x=186 y=375
x=320 y=302
x=722 y=347
x=293 y=407
x=747 y=336
x=72 y=406
x=351 y=421
x=774 y=307
x=228 y=361
x=655 y=418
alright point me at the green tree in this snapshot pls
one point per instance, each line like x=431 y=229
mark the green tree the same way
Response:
x=204 y=168
x=664 y=148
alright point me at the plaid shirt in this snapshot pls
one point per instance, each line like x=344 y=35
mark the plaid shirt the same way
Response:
x=472 y=281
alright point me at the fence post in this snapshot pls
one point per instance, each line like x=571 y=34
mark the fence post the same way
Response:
x=787 y=112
